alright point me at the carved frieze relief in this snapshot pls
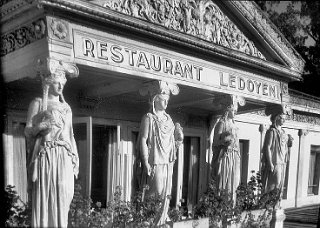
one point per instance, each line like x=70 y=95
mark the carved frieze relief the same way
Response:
x=22 y=36
x=304 y=102
x=202 y=19
x=314 y=120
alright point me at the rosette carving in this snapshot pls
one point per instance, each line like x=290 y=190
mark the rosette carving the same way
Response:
x=202 y=19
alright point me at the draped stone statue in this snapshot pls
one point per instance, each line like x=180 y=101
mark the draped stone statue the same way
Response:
x=52 y=153
x=159 y=139
x=226 y=154
x=275 y=150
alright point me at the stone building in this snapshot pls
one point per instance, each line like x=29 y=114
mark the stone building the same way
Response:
x=208 y=48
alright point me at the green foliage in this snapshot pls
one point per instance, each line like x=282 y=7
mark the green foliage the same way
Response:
x=218 y=206
x=17 y=213
x=140 y=212
x=300 y=22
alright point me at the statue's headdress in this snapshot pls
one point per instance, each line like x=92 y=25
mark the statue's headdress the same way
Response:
x=277 y=109
x=227 y=102
x=158 y=88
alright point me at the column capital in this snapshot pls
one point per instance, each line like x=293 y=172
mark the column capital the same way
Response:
x=262 y=128
x=229 y=100
x=53 y=67
x=303 y=132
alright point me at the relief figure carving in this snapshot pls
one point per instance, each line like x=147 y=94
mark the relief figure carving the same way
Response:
x=203 y=19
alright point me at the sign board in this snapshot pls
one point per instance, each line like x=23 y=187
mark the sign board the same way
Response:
x=119 y=54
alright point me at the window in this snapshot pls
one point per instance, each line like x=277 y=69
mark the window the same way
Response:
x=244 y=156
x=314 y=170
x=191 y=166
x=100 y=162
x=285 y=186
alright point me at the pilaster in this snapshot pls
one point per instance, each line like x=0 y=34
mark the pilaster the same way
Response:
x=300 y=165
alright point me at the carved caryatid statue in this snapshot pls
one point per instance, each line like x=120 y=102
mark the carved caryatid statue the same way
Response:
x=275 y=149
x=159 y=139
x=226 y=155
x=52 y=153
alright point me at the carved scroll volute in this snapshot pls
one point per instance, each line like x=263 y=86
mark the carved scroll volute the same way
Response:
x=226 y=101
x=54 y=66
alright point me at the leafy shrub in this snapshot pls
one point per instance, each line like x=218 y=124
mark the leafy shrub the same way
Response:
x=218 y=206
x=17 y=212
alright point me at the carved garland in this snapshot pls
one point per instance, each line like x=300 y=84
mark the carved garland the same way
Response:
x=295 y=117
x=22 y=36
x=202 y=19
x=303 y=102
x=252 y=13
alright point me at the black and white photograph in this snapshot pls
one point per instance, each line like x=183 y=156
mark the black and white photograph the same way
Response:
x=160 y=113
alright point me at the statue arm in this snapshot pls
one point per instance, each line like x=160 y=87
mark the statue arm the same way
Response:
x=30 y=130
x=144 y=131
x=217 y=141
x=74 y=148
x=268 y=143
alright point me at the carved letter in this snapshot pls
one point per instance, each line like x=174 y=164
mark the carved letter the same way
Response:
x=222 y=83
x=116 y=54
x=102 y=50
x=265 y=89
x=143 y=61
x=198 y=71
x=250 y=85
x=272 y=90
x=188 y=71
x=153 y=63
x=178 y=69
x=167 y=66
x=232 y=81
x=88 y=47
x=242 y=84
x=258 y=84
x=130 y=54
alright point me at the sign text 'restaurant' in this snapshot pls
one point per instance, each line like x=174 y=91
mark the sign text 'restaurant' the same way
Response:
x=118 y=54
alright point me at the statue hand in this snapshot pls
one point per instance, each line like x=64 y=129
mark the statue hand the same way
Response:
x=271 y=167
x=148 y=168
x=44 y=127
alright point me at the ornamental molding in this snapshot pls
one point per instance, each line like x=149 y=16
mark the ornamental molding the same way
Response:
x=202 y=19
x=303 y=102
x=9 y=6
x=269 y=32
x=313 y=120
x=59 y=29
x=22 y=36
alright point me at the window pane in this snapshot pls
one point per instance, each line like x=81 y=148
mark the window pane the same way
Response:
x=244 y=155
x=80 y=135
x=314 y=169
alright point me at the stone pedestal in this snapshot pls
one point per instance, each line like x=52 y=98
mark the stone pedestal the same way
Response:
x=278 y=218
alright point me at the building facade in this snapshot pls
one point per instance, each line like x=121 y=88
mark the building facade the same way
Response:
x=208 y=48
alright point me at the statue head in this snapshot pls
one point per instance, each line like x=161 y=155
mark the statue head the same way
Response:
x=53 y=75
x=278 y=113
x=159 y=94
x=55 y=83
x=230 y=104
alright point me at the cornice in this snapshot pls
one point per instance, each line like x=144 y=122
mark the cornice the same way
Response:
x=22 y=36
x=9 y=8
x=270 y=33
x=88 y=9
